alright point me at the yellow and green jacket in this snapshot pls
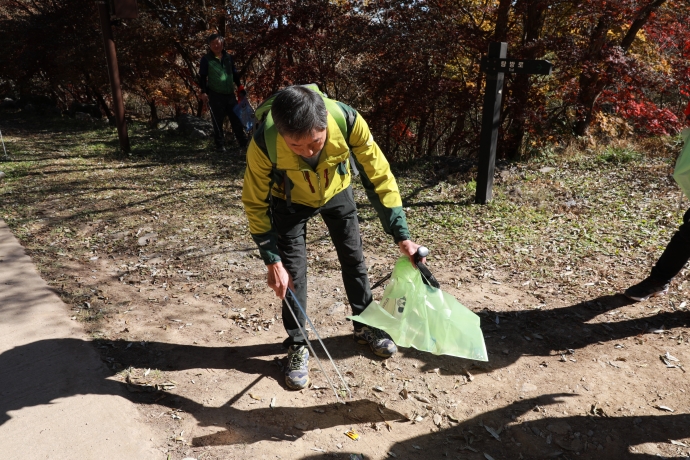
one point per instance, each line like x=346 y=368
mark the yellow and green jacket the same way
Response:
x=315 y=188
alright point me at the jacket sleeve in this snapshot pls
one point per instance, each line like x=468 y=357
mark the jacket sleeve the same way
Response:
x=256 y=199
x=203 y=74
x=379 y=183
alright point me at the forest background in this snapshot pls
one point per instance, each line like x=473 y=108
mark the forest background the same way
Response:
x=621 y=67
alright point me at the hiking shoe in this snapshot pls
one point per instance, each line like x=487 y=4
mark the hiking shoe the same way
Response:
x=645 y=289
x=297 y=371
x=380 y=342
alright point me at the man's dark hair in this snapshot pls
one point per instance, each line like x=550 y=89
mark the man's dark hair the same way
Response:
x=213 y=37
x=297 y=111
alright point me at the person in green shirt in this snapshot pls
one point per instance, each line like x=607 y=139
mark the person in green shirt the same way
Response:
x=219 y=80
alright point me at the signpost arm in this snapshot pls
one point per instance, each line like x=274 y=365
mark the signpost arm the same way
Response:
x=491 y=118
x=114 y=74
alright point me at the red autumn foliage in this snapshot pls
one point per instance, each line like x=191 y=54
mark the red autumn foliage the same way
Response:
x=411 y=67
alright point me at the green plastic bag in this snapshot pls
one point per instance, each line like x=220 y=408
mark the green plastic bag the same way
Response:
x=424 y=317
x=681 y=172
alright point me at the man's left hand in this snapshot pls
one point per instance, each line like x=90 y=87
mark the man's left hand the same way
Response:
x=409 y=248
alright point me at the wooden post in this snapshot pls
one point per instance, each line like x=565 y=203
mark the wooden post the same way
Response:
x=491 y=118
x=495 y=65
x=114 y=74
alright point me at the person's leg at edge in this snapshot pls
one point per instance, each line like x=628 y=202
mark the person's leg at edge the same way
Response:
x=671 y=262
x=676 y=254
x=217 y=105
x=340 y=216
x=291 y=228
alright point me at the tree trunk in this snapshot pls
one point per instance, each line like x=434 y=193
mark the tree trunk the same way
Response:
x=154 y=112
x=502 y=14
x=101 y=101
x=421 y=134
x=453 y=141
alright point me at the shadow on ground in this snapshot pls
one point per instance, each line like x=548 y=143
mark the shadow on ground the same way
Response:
x=548 y=437
x=571 y=437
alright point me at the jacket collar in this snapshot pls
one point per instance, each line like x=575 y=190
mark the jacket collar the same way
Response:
x=332 y=152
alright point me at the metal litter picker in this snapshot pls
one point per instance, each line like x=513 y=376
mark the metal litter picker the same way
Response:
x=318 y=361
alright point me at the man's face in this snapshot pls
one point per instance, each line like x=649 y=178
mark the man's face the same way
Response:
x=309 y=145
x=216 y=45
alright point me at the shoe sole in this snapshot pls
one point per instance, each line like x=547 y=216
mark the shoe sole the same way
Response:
x=642 y=299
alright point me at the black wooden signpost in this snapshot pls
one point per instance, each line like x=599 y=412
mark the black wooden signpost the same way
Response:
x=495 y=65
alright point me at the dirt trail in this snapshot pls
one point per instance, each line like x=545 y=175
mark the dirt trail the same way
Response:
x=156 y=262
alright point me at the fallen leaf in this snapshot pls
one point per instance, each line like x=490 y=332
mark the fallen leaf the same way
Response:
x=667 y=409
x=492 y=432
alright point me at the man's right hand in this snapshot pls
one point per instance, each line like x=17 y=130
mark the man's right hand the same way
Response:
x=279 y=279
x=204 y=98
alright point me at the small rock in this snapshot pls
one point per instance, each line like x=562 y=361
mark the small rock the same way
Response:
x=2 y=175
x=167 y=124
x=301 y=426
x=437 y=419
x=547 y=169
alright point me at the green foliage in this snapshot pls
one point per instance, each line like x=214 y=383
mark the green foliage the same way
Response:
x=619 y=155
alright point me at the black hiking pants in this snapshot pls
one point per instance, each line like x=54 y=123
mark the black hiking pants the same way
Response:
x=340 y=216
x=223 y=105
x=676 y=254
